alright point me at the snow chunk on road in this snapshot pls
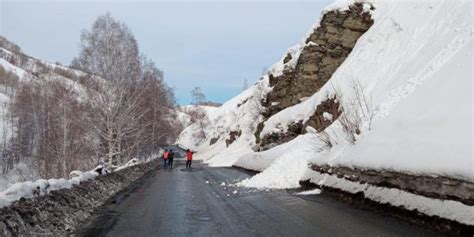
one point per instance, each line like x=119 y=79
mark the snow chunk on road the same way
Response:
x=310 y=192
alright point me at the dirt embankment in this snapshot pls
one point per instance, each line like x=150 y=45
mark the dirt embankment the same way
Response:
x=59 y=212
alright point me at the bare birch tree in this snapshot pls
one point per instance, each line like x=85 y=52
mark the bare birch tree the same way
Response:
x=124 y=111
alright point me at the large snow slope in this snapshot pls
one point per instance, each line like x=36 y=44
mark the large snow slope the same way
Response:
x=415 y=66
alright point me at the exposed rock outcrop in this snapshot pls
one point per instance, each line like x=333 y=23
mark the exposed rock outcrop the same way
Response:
x=326 y=49
x=318 y=120
x=233 y=135
x=274 y=139
x=213 y=140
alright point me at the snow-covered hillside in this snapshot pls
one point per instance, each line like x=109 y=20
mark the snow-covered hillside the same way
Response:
x=20 y=68
x=240 y=113
x=184 y=113
x=406 y=87
x=195 y=120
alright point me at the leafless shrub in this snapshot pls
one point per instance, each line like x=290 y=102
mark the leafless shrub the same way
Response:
x=364 y=102
x=360 y=109
x=350 y=125
x=326 y=139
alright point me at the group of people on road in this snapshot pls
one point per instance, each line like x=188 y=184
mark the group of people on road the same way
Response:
x=168 y=157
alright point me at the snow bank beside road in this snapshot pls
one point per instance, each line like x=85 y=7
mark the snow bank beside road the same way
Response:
x=448 y=209
x=31 y=189
x=59 y=213
x=40 y=187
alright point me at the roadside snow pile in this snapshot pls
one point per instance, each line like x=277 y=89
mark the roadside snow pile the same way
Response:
x=285 y=172
x=30 y=189
x=448 y=209
x=65 y=211
x=131 y=162
x=20 y=172
x=41 y=187
x=282 y=167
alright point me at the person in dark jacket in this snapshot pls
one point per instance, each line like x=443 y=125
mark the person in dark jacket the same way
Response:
x=170 y=157
x=189 y=158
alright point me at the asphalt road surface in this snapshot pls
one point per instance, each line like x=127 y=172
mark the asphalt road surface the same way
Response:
x=203 y=202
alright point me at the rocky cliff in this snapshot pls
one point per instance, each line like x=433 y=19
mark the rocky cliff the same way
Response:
x=326 y=49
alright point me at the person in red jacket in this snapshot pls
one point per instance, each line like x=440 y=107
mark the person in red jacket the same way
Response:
x=189 y=158
x=165 y=158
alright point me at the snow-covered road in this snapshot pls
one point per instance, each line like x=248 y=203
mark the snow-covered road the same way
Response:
x=204 y=202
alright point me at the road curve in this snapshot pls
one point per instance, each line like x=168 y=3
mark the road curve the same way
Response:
x=197 y=203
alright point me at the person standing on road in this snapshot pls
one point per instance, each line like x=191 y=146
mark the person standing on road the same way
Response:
x=189 y=158
x=171 y=157
x=165 y=157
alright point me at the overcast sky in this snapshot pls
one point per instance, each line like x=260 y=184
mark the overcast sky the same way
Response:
x=214 y=45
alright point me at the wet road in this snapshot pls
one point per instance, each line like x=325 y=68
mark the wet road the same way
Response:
x=197 y=203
